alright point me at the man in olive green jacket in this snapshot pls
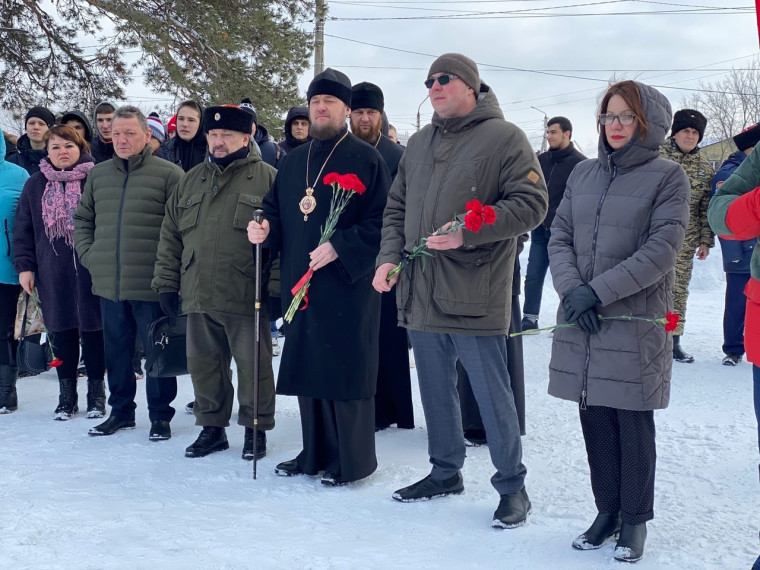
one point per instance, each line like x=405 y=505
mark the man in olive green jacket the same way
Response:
x=116 y=230
x=205 y=257
x=458 y=307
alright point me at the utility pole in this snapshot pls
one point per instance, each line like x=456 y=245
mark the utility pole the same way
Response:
x=418 y=111
x=319 y=36
x=546 y=120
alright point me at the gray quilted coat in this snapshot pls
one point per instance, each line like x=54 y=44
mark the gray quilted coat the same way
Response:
x=618 y=229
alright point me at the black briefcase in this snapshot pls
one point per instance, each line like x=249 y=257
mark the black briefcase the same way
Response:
x=167 y=355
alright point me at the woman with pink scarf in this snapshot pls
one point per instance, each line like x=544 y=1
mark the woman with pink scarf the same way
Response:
x=44 y=256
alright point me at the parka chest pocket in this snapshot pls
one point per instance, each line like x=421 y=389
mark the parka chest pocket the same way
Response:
x=188 y=211
x=246 y=205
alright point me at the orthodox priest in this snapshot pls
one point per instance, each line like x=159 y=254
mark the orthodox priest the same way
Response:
x=393 y=399
x=330 y=359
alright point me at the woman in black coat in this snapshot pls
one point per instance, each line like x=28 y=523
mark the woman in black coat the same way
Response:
x=44 y=256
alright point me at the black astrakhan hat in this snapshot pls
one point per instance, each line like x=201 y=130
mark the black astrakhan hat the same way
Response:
x=748 y=138
x=230 y=117
x=689 y=118
x=331 y=82
x=367 y=96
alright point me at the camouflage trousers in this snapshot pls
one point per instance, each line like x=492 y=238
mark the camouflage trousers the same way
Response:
x=684 y=266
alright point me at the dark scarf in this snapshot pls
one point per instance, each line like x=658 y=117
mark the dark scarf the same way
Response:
x=224 y=161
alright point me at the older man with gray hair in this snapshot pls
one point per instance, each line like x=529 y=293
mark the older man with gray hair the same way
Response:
x=116 y=233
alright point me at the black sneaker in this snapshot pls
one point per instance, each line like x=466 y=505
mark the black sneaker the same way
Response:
x=160 y=430
x=429 y=488
x=630 y=545
x=529 y=324
x=210 y=440
x=604 y=527
x=111 y=426
x=513 y=510
x=288 y=468
x=332 y=480
x=261 y=444
x=732 y=359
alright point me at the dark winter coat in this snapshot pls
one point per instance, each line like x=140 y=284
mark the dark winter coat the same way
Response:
x=204 y=251
x=557 y=166
x=271 y=153
x=448 y=163
x=618 y=229
x=290 y=143
x=391 y=153
x=10 y=145
x=118 y=222
x=332 y=347
x=79 y=116
x=12 y=179
x=736 y=253
x=186 y=154
x=64 y=286
x=101 y=150
x=26 y=157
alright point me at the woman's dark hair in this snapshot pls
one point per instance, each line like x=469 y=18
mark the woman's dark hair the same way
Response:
x=69 y=134
x=630 y=93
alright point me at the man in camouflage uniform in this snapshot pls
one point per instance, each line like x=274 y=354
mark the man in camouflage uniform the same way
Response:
x=688 y=130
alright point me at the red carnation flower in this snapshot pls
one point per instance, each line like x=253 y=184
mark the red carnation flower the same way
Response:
x=474 y=206
x=489 y=215
x=672 y=323
x=55 y=363
x=473 y=221
x=351 y=182
x=330 y=178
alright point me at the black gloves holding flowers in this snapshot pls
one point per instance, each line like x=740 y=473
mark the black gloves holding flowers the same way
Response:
x=580 y=308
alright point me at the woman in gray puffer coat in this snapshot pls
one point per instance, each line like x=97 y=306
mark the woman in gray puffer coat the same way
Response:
x=612 y=253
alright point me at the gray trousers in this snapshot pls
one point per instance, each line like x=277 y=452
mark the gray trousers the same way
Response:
x=485 y=360
x=213 y=339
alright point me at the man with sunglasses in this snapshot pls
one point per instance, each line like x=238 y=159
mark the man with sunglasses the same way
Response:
x=457 y=306
x=683 y=147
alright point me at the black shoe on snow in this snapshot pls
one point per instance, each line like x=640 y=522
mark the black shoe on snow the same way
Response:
x=630 y=545
x=513 y=510
x=678 y=353
x=160 y=430
x=288 y=468
x=261 y=444
x=96 y=398
x=604 y=527
x=8 y=395
x=529 y=324
x=111 y=426
x=332 y=480
x=732 y=359
x=475 y=437
x=189 y=407
x=429 y=488
x=67 y=399
x=211 y=439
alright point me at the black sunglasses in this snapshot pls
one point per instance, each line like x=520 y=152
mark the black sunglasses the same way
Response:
x=442 y=80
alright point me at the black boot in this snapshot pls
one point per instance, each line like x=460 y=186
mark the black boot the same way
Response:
x=261 y=444
x=513 y=510
x=96 y=398
x=429 y=488
x=8 y=396
x=630 y=545
x=211 y=439
x=68 y=399
x=604 y=527
x=678 y=354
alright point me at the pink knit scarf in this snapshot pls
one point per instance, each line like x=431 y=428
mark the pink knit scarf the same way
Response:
x=60 y=201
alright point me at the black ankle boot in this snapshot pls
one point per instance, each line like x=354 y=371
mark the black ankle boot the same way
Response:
x=604 y=527
x=67 y=399
x=630 y=545
x=261 y=444
x=211 y=439
x=678 y=353
x=96 y=398
x=8 y=396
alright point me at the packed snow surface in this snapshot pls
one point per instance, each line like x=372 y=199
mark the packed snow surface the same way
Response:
x=73 y=501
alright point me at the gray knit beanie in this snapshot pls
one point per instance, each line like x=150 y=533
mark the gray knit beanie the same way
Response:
x=461 y=66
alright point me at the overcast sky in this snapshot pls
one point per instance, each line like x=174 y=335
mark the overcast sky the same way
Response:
x=584 y=42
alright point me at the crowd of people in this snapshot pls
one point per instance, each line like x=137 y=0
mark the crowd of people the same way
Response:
x=114 y=224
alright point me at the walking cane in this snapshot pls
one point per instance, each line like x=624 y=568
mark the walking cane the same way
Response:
x=258 y=217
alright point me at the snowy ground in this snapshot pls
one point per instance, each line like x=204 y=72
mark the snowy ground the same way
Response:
x=72 y=501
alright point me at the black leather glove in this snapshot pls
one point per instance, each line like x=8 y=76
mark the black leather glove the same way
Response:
x=588 y=321
x=578 y=301
x=169 y=302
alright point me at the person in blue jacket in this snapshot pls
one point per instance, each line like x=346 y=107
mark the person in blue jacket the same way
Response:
x=12 y=179
x=736 y=257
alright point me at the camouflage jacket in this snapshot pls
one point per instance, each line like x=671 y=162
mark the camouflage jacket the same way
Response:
x=700 y=173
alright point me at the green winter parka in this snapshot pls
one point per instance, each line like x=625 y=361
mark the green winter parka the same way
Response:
x=118 y=221
x=204 y=251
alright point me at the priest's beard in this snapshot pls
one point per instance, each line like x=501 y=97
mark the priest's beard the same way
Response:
x=326 y=132
x=372 y=136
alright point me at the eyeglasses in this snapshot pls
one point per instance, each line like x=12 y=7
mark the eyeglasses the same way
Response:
x=442 y=80
x=624 y=119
